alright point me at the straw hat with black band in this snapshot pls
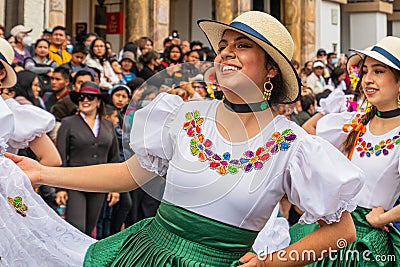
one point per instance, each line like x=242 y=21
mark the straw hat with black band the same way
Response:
x=6 y=57
x=270 y=35
x=386 y=51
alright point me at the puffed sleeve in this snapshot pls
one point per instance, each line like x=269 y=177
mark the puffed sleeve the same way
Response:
x=7 y=122
x=321 y=181
x=330 y=127
x=150 y=138
x=30 y=122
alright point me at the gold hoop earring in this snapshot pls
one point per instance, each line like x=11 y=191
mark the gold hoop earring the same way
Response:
x=268 y=86
x=368 y=107
x=398 y=101
x=1 y=85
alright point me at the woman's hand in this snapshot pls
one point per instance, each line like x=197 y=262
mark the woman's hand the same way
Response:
x=62 y=197
x=112 y=198
x=31 y=167
x=374 y=219
x=251 y=260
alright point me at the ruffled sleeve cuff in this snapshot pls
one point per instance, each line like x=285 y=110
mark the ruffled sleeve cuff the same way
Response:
x=321 y=181
x=150 y=137
x=348 y=205
x=153 y=164
x=30 y=122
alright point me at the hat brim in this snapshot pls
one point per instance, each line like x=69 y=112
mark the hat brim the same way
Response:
x=11 y=79
x=75 y=96
x=291 y=81
x=353 y=60
x=372 y=54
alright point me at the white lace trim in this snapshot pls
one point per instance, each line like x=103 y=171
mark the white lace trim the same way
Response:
x=3 y=146
x=17 y=144
x=345 y=205
x=153 y=164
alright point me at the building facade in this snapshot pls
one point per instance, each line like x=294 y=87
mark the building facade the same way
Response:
x=335 y=25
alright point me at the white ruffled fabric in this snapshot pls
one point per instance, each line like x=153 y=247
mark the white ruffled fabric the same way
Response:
x=318 y=181
x=40 y=239
x=30 y=122
x=146 y=145
x=274 y=236
x=334 y=103
x=330 y=127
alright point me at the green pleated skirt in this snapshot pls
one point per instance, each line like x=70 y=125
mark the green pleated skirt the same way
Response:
x=373 y=247
x=175 y=237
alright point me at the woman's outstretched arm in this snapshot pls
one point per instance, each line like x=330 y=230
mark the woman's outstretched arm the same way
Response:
x=314 y=246
x=111 y=177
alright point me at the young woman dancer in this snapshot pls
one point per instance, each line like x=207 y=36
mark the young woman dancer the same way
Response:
x=370 y=140
x=227 y=164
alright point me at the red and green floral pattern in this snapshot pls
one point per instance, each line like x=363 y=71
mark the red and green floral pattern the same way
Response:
x=201 y=147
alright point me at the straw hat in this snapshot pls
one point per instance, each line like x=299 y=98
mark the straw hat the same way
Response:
x=89 y=88
x=6 y=57
x=268 y=33
x=386 y=51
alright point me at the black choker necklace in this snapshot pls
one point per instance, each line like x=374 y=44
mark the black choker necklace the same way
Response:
x=246 y=108
x=388 y=114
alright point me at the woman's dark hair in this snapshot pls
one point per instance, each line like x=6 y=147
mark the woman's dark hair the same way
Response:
x=306 y=102
x=41 y=40
x=142 y=41
x=167 y=54
x=278 y=96
x=105 y=56
x=135 y=84
x=132 y=47
x=1 y=68
x=121 y=87
x=110 y=109
x=148 y=91
x=194 y=43
x=193 y=51
x=146 y=58
x=336 y=73
x=24 y=86
x=348 y=143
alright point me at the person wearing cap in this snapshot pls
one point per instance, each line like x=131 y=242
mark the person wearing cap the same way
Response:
x=316 y=79
x=127 y=62
x=22 y=43
x=65 y=107
x=57 y=51
x=86 y=139
x=369 y=140
x=321 y=55
x=227 y=164
x=46 y=34
x=78 y=56
x=22 y=126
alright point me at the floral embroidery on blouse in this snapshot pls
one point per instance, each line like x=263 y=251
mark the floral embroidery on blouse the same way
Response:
x=18 y=205
x=355 y=125
x=367 y=149
x=201 y=147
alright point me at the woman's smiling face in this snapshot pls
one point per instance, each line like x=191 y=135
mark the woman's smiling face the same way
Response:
x=242 y=65
x=380 y=85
